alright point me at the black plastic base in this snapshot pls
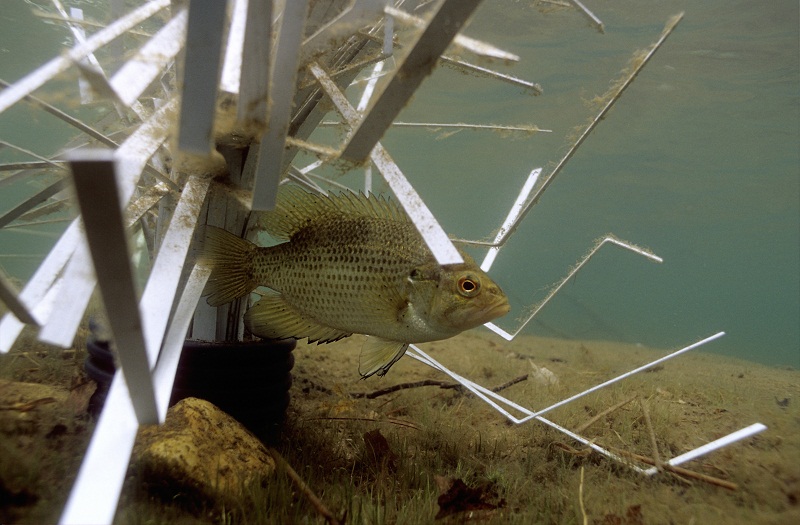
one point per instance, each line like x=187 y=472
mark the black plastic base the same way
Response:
x=249 y=381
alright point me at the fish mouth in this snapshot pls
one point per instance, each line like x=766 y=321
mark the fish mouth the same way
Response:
x=496 y=310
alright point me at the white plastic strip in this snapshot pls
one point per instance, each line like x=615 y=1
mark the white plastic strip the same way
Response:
x=232 y=63
x=733 y=437
x=388 y=35
x=95 y=183
x=164 y=373
x=599 y=244
x=140 y=71
x=358 y=14
x=80 y=35
x=31 y=203
x=284 y=78
x=79 y=279
x=450 y=16
x=629 y=374
x=145 y=202
x=472 y=45
x=254 y=79
x=201 y=72
x=433 y=234
x=137 y=149
x=133 y=154
x=159 y=294
x=588 y=14
x=9 y=297
x=96 y=78
x=76 y=30
x=527 y=129
x=34 y=292
x=485 y=394
x=38 y=77
x=370 y=88
x=94 y=496
x=479 y=71
x=513 y=216
x=529 y=414
x=104 y=467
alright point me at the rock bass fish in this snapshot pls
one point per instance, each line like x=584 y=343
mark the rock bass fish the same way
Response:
x=352 y=264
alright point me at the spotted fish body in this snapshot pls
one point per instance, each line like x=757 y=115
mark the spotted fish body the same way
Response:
x=352 y=264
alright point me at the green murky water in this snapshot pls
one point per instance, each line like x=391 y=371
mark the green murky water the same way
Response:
x=699 y=161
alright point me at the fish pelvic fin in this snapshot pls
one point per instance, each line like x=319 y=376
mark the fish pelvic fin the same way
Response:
x=378 y=355
x=231 y=261
x=273 y=318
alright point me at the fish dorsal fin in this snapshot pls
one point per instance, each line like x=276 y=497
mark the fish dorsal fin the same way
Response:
x=297 y=209
x=378 y=355
x=273 y=318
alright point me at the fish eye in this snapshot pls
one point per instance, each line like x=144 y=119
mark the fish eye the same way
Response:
x=469 y=286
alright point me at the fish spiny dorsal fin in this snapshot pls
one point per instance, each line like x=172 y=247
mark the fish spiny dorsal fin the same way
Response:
x=298 y=209
x=295 y=209
x=372 y=205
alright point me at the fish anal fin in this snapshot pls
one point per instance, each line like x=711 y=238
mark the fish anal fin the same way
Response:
x=273 y=318
x=378 y=355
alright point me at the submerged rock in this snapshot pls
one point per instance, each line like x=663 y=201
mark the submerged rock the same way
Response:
x=25 y=407
x=200 y=455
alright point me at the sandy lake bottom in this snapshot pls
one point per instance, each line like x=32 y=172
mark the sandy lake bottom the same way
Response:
x=390 y=457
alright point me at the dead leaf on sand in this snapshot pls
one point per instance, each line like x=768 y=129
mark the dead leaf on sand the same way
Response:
x=633 y=516
x=455 y=496
x=378 y=450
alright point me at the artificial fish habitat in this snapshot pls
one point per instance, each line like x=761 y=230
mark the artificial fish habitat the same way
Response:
x=352 y=264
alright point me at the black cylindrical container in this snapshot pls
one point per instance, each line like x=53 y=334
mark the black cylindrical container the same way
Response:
x=99 y=366
x=250 y=381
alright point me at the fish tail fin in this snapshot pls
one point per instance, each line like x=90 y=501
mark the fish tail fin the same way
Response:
x=231 y=261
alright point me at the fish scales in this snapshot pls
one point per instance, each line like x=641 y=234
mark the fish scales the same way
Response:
x=334 y=267
x=351 y=264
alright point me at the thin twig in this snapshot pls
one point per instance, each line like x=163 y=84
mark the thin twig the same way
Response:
x=681 y=471
x=398 y=422
x=656 y=455
x=431 y=382
x=670 y=26
x=579 y=452
x=507 y=384
x=602 y=414
x=301 y=485
x=583 y=452
x=403 y=386
x=580 y=500
x=30 y=405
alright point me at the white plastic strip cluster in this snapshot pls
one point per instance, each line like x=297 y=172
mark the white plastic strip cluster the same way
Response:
x=502 y=405
x=94 y=251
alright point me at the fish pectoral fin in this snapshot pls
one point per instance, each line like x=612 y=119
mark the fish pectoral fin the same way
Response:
x=273 y=318
x=378 y=355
